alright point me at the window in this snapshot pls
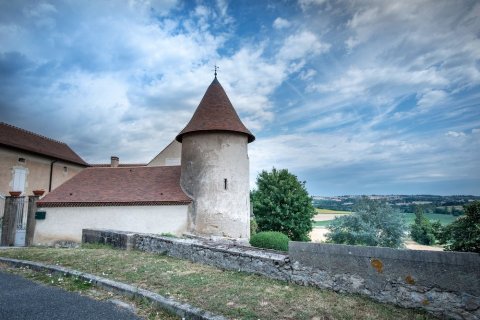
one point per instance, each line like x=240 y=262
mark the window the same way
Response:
x=225 y=183
x=65 y=169
x=19 y=177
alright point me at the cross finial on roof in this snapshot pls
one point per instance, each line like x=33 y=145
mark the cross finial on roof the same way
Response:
x=216 y=68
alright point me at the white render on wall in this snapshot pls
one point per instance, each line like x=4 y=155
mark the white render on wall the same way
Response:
x=66 y=223
x=221 y=207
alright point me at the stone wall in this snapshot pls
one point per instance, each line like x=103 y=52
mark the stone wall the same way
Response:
x=443 y=283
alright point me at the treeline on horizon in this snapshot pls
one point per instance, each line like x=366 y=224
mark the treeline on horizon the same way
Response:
x=435 y=204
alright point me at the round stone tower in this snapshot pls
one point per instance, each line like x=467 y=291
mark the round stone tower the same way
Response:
x=215 y=167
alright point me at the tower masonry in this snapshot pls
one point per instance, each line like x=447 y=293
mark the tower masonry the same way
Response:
x=215 y=167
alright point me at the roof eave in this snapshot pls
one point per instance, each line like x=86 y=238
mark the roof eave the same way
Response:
x=250 y=136
x=41 y=204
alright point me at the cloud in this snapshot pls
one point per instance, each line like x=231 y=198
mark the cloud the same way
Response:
x=356 y=94
x=280 y=23
x=431 y=98
x=299 y=45
x=455 y=134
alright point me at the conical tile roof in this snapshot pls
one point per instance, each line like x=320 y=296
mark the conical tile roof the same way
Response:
x=215 y=113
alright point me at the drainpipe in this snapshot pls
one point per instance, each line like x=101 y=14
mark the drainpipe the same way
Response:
x=51 y=175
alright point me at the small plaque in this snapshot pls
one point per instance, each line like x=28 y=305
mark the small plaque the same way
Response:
x=40 y=215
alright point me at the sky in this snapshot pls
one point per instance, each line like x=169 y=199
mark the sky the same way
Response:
x=353 y=97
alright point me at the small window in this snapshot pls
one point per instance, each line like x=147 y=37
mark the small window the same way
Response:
x=21 y=160
x=65 y=169
x=225 y=183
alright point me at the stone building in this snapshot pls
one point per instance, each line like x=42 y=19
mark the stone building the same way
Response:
x=29 y=161
x=198 y=184
x=215 y=167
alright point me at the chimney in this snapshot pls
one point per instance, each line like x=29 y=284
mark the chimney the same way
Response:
x=114 y=161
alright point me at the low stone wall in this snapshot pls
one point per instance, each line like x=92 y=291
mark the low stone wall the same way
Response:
x=444 y=283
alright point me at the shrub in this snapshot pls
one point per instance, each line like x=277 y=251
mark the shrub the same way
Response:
x=372 y=224
x=282 y=204
x=270 y=240
x=422 y=230
x=464 y=233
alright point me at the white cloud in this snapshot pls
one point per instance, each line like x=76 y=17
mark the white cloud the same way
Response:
x=307 y=74
x=300 y=45
x=281 y=23
x=431 y=98
x=306 y=4
x=455 y=134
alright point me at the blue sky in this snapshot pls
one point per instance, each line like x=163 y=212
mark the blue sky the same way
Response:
x=354 y=97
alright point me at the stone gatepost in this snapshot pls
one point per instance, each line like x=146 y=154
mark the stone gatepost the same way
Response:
x=9 y=226
x=32 y=208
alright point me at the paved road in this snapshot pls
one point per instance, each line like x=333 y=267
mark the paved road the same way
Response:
x=22 y=299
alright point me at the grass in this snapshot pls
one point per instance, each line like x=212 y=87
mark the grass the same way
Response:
x=235 y=295
x=443 y=218
x=320 y=211
x=143 y=308
x=325 y=223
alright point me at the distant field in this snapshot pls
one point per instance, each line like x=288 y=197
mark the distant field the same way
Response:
x=410 y=217
x=321 y=223
x=444 y=218
x=331 y=211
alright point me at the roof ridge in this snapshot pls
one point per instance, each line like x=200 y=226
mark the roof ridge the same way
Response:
x=33 y=133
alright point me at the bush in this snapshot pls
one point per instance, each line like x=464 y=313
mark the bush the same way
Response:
x=282 y=204
x=464 y=233
x=270 y=240
x=372 y=224
x=422 y=230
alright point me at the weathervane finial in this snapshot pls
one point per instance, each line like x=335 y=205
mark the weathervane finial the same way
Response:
x=216 y=68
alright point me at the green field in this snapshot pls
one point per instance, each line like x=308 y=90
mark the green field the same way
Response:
x=410 y=217
x=320 y=211
x=443 y=218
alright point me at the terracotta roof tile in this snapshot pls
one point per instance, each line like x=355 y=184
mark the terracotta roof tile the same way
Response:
x=109 y=165
x=215 y=113
x=14 y=137
x=119 y=186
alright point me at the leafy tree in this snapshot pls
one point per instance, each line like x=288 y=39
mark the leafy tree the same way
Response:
x=373 y=223
x=422 y=230
x=464 y=233
x=281 y=203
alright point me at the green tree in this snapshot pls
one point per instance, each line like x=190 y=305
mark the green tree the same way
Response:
x=281 y=203
x=422 y=230
x=464 y=233
x=373 y=223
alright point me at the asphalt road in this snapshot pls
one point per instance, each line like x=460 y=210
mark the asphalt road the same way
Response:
x=22 y=299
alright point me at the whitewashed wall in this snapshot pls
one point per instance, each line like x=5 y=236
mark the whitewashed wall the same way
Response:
x=66 y=224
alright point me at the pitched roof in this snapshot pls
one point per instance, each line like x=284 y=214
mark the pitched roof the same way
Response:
x=123 y=165
x=119 y=187
x=18 y=138
x=215 y=113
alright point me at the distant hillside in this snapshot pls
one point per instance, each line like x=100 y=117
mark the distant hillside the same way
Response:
x=405 y=203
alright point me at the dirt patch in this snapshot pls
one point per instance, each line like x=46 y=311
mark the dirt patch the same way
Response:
x=319 y=234
x=328 y=216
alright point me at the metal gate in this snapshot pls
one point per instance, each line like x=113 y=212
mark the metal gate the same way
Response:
x=2 y=209
x=21 y=222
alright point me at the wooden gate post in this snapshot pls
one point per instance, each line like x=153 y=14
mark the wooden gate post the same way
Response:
x=9 y=221
x=32 y=208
